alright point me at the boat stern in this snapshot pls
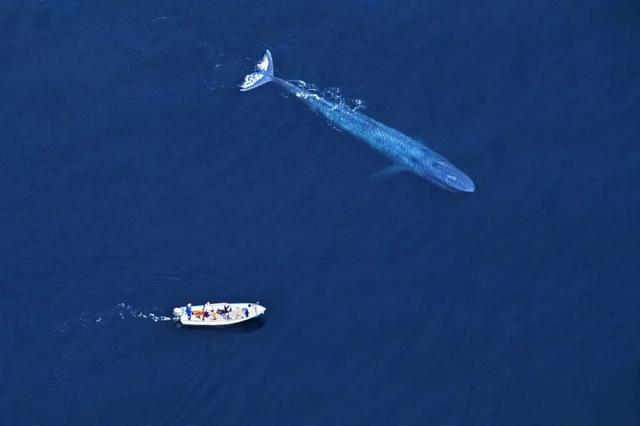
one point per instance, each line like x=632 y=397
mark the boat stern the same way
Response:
x=177 y=313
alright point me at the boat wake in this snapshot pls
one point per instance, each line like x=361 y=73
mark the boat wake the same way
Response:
x=120 y=312
x=127 y=311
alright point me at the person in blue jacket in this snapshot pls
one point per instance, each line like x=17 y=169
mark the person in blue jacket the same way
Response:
x=189 y=311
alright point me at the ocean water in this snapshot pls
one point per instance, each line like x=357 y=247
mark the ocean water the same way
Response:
x=135 y=177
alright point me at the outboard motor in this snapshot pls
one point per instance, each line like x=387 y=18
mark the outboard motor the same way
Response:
x=177 y=313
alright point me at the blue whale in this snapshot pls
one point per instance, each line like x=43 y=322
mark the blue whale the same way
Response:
x=406 y=153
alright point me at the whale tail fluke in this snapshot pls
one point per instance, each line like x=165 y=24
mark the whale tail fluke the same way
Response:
x=262 y=75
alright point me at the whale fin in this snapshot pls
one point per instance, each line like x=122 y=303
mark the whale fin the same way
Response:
x=262 y=75
x=390 y=170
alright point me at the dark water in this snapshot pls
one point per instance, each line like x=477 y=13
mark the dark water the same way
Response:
x=135 y=177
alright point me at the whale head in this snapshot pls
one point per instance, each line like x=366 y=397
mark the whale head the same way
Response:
x=444 y=174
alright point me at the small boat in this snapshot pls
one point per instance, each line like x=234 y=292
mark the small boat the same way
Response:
x=217 y=314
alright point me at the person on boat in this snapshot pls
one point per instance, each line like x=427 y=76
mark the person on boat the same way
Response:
x=207 y=311
x=189 y=311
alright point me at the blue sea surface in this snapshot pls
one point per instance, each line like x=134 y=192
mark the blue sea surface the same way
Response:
x=135 y=177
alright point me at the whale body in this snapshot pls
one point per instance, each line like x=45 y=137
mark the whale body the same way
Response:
x=406 y=153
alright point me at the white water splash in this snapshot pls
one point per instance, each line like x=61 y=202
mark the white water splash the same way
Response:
x=333 y=95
